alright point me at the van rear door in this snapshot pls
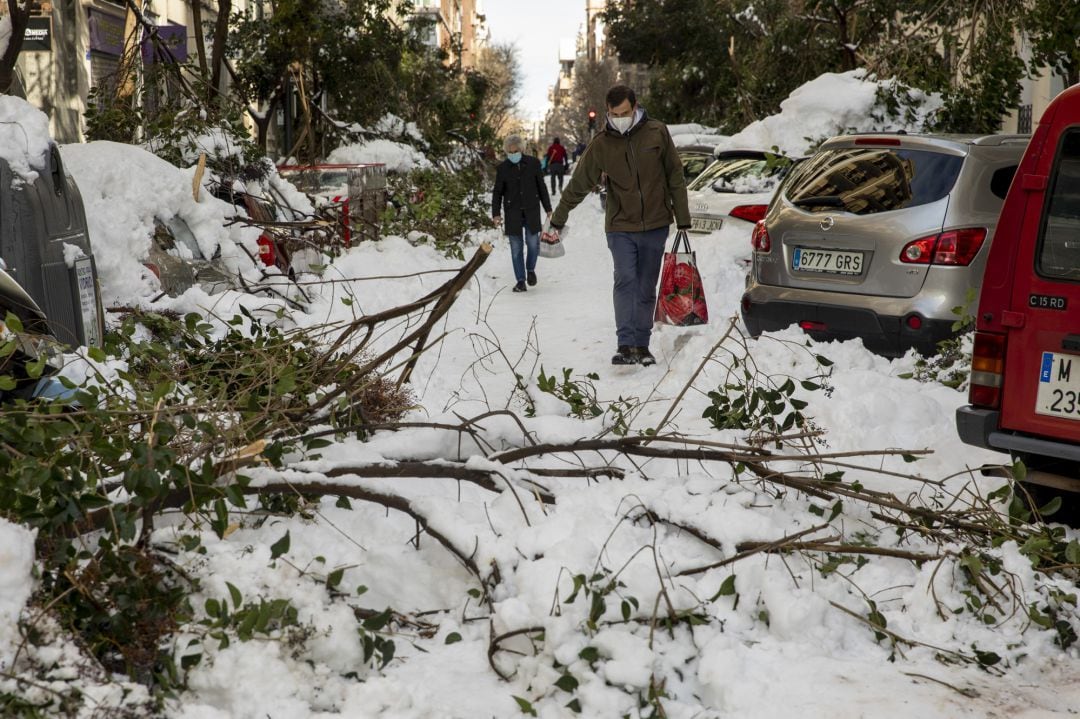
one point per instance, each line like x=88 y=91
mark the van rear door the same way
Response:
x=1042 y=382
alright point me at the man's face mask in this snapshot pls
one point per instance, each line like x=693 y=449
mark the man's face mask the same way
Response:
x=514 y=157
x=622 y=124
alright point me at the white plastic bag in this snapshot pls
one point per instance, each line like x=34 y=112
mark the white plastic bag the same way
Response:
x=551 y=243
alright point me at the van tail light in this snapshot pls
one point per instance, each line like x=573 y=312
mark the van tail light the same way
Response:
x=956 y=248
x=750 y=213
x=267 y=251
x=987 y=370
x=760 y=238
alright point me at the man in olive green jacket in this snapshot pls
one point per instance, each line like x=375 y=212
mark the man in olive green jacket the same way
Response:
x=645 y=187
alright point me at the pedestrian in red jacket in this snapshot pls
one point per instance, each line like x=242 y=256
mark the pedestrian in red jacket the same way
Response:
x=556 y=163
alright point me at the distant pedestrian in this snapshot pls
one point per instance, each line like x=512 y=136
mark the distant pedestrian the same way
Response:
x=556 y=163
x=516 y=198
x=578 y=149
x=644 y=178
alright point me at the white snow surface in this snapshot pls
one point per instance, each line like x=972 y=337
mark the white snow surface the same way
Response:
x=16 y=584
x=789 y=642
x=828 y=105
x=24 y=134
x=397 y=156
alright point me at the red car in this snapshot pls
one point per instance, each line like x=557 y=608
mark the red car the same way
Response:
x=1025 y=374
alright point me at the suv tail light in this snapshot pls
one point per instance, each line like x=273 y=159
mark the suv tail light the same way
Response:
x=760 y=239
x=987 y=370
x=750 y=213
x=267 y=251
x=956 y=248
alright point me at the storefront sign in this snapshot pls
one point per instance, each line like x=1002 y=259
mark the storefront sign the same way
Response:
x=38 y=37
x=106 y=33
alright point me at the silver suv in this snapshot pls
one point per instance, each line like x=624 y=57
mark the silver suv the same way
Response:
x=880 y=236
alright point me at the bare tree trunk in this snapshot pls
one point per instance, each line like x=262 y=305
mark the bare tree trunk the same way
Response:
x=200 y=41
x=221 y=35
x=19 y=11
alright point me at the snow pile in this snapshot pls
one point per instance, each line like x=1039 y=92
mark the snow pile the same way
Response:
x=829 y=105
x=124 y=189
x=24 y=136
x=391 y=141
x=397 y=156
x=692 y=133
x=16 y=584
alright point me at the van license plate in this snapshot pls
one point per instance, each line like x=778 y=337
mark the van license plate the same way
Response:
x=836 y=262
x=701 y=224
x=1059 y=386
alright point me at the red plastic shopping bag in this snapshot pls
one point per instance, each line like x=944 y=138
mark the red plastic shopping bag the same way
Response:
x=681 y=298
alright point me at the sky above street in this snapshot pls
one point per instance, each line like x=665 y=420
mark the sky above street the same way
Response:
x=535 y=27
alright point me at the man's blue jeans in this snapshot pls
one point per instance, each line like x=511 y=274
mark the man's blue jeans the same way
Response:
x=637 y=257
x=517 y=252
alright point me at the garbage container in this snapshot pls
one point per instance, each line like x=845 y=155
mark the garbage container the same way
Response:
x=46 y=249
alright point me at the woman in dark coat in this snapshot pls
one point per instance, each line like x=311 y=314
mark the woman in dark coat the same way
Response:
x=516 y=199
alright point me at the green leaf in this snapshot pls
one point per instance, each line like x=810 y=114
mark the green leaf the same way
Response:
x=1072 y=552
x=1019 y=471
x=567 y=683
x=377 y=622
x=7 y=383
x=727 y=588
x=1050 y=507
x=525 y=705
x=343 y=502
x=589 y=654
x=837 y=508
x=986 y=659
x=237 y=598
x=453 y=638
x=816 y=510
x=334 y=578
x=13 y=323
x=96 y=353
x=280 y=546
x=823 y=360
x=286 y=381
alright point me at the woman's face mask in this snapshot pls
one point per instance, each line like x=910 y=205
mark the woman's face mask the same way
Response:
x=514 y=157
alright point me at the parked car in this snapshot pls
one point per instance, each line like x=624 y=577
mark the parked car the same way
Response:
x=880 y=236
x=695 y=158
x=45 y=250
x=737 y=186
x=1024 y=396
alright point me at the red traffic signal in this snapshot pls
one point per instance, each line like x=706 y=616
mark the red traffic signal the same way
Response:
x=592 y=114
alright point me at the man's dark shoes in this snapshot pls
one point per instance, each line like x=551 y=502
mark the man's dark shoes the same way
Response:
x=625 y=355
x=531 y=279
x=644 y=356
x=520 y=287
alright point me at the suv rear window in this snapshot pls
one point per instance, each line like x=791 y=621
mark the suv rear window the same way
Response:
x=738 y=174
x=1059 y=253
x=868 y=180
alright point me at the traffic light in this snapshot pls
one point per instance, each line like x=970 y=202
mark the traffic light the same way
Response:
x=592 y=120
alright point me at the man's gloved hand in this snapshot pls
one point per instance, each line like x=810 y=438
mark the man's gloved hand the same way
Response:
x=682 y=227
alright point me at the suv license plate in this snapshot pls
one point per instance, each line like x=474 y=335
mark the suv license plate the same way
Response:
x=701 y=224
x=835 y=262
x=1059 y=386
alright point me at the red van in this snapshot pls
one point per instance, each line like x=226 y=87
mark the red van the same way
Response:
x=1025 y=373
